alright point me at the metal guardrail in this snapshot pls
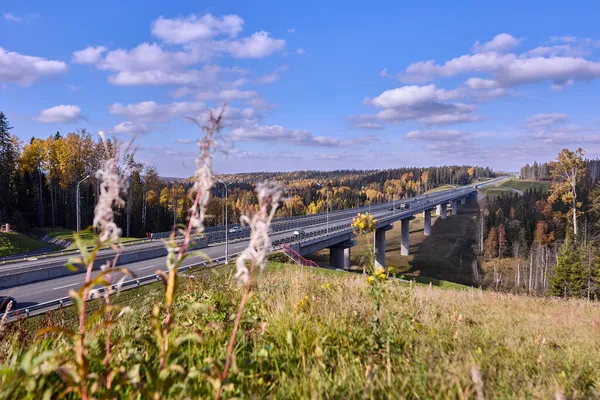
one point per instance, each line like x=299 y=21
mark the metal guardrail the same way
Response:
x=41 y=308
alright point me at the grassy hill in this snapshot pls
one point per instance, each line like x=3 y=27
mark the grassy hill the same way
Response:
x=524 y=185
x=309 y=333
x=15 y=243
x=86 y=236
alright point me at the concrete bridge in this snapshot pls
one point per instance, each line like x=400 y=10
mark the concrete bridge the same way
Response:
x=341 y=239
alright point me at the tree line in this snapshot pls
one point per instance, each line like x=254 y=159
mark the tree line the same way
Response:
x=39 y=180
x=553 y=238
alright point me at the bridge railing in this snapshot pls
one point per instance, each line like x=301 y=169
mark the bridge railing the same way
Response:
x=297 y=258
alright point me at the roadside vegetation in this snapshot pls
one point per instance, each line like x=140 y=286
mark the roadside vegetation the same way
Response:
x=525 y=185
x=12 y=243
x=308 y=334
x=85 y=236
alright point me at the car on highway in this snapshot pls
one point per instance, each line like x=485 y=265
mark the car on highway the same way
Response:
x=404 y=206
x=391 y=209
x=235 y=229
x=298 y=232
x=4 y=300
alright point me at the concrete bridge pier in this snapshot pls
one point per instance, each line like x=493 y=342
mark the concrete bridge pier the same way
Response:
x=463 y=200
x=405 y=235
x=444 y=210
x=427 y=222
x=379 y=246
x=339 y=255
x=455 y=207
x=438 y=210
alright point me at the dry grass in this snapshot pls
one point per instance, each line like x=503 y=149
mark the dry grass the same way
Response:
x=307 y=334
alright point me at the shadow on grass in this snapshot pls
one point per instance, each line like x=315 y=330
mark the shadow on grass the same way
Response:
x=447 y=255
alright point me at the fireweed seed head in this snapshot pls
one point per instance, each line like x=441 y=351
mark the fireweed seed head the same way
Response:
x=113 y=175
x=268 y=194
x=203 y=176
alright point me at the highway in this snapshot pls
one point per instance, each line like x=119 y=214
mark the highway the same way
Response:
x=40 y=292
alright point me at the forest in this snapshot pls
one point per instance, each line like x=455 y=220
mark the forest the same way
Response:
x=546 y=242
x=39 y=180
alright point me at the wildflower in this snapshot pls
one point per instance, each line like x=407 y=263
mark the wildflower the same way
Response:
x=380 y=274
x=371 y=280
x=203 y=177
x=113 y=182
x=363 y=223
x=268 y=194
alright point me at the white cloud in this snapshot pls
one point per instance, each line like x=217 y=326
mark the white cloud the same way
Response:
x=73 y=88
x=184 y=141
x=227 y=95
x=499 y=43
x=130 y=128
x=544 y=120
x=368 y=125
x=279 y=134
x=478 y=83
x=384 y=73
x=258 y=45
x=11 y=17
x=426 y=104
x=150 y=111
x=447 y=119
x=62 y=113
x=20 y=18
x=436 y=135
x=557 y=64
x=301 y=51
x=270 y=78
x=89 y=55
x=25 y=70
x=194 y=28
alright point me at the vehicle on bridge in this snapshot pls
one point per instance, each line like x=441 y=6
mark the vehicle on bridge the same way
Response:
x=298 y=232
x=404 y=206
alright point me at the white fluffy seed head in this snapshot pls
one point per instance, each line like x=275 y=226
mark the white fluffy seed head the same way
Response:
x=113 y=175
x=269 y=194
x=203 y=176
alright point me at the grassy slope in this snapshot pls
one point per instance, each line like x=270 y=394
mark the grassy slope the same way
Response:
x=497 y=191
x=524 y=185
x=325 y=347
x=440 y=189
x=86 y=236
x=16 y=243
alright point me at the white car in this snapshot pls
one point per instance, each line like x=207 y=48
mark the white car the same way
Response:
x=235 y=229
x=298 y=232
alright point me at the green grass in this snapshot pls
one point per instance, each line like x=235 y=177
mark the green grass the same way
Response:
x=15 y=243
x=440 y=189
x=308 y=333
x=86 y=236
x=497 y=191
x=524 y=185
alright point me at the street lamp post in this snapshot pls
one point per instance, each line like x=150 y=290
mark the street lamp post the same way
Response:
x=226 y=230
x=77 y=202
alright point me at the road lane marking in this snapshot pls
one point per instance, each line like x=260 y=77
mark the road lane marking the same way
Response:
x=152 y=266
x=66 y=286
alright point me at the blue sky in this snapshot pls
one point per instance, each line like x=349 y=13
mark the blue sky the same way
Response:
x=309 y=85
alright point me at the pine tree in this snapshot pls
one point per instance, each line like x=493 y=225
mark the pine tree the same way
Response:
x=8 y=159
x=569 y=278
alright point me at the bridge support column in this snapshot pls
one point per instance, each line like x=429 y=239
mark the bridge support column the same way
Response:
x=455 y=207
x=463 y=200
x=427 y=224
x=444 y=213
x=405 y=236
x=379 y=246
x=339 y=255
x=438 y=210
